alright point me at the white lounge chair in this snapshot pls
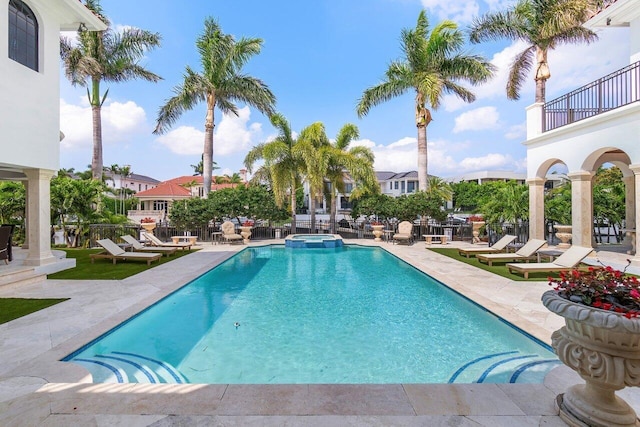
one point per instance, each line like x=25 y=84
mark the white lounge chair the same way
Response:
x=405 y=233
x=159 y=243
x=499 y=246
x=566 y=262
x=525 y=253
x=229 y=232
x=139 y=247
x=115 y=252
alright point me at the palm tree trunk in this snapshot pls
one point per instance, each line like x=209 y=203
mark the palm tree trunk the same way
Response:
x=96 y=159
x=312 y=207
x=423 y=182
x=293 y=208
x=542 y=74
x=332 y=216
x=207 y=157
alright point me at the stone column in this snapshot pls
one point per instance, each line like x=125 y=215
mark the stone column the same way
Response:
x=636 y=212
x=581 y=208
x=536 y=208
x=39 y=216
x=25 y=245
x=534 y=120
x=630 y=204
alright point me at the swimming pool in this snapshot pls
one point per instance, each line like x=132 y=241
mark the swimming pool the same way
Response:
x=344 y=315
x=313 y=241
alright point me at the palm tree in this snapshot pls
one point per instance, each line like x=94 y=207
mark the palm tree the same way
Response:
x=220 y=85
x=313 y=151
x=356 y=161
x=432 y=66
x=109 y=56
x=281 y=166
x=543 y=25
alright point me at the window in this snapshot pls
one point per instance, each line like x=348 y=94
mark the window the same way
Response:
x=160 y=205
x=348 y=188
x=411 y=186
x=23 y=35
x=402 y=186
x=395 y=184
x=139 y=187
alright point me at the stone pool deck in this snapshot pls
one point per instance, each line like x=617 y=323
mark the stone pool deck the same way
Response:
x=37 y=389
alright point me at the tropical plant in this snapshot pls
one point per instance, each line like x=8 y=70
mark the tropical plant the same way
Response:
x=542 y=25
x=220 y=84
x=374 y=205
x=557 y=204
x=12 y=202
x=197 y=169
x=356 y=161
x=313 y=150
x=433 y=65
x=281 y=165
x=108 y=56
x=509 y=202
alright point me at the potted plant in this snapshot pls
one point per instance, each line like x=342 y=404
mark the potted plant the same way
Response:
x=600 y=341
x=149 y=224
x=377 y=227
x=245 y=230
x=477 y=223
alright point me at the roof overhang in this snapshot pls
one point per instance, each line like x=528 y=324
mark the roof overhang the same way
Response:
x=73 y=13
x=618 y=14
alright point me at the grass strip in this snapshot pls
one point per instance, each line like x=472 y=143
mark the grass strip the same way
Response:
x=13 y=308
x=497 y=268
x=103 y=269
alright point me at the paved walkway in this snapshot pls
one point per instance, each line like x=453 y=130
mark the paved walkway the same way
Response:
x=37 y=389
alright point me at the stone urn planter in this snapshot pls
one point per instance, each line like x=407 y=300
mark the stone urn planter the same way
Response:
x=149 y=227
x=477 y=225
x=603 y=347
x=377 y=232
x=563 y=232
x=245 y=232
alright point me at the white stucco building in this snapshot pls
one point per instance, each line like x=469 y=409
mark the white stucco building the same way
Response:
x=30 y=103
x=592 y=125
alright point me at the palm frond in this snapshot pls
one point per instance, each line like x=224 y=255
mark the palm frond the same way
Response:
x=519 y=71
x=381 y=93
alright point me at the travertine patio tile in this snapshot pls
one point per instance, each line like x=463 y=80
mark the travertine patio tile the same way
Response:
x=101 y=420
x=460 y=399
x=363 y=399
x=261 y=399
x=318 y=421
x=532 y=399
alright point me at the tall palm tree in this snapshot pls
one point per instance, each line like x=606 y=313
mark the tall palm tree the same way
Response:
x=432 y=66
x=280 y=163
x=105 y=56
x=313 y=150
x=356 y=161
x=220 y=84
x=543 y=25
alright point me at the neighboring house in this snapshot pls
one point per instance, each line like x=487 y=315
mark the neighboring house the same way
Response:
x=30 y=103
x=133 y=182
x=482 y=177
x=587 y=127
x=156 y=202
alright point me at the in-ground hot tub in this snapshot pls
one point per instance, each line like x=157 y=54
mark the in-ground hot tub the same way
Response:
x=313 y=241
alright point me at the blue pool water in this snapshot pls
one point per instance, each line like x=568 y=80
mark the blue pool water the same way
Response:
x=313 y=241
x=344 y=315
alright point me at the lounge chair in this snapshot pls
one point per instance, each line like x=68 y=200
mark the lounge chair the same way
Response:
x=525 y=253
x=229 y=232
x=405 y=233
x=139 y=247
x=115 y=252
x=566 y=262
x=154 y=241
x=499 y=246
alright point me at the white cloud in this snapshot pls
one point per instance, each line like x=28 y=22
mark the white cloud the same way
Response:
x=479 y=119
x=232 y=135
x=120 y=121
x=517 y=131
x=491 y=161
x=456 y=10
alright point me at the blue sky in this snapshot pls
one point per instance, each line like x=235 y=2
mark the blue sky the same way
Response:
x=317 y=57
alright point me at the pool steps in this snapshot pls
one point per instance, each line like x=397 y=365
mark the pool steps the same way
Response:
x=124 y=367
x=508 y=367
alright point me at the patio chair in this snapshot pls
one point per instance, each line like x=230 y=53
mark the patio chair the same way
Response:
x=525 y=253
x=499 y=246
x=139 y=247
x=229 y=232
x=115 y=252
x=154 y=241
x=405 y=233
x=5 y=242
x=566 y=262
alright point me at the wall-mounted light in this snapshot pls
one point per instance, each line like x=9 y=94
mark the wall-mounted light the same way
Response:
x=82 y=28
x=608 y=21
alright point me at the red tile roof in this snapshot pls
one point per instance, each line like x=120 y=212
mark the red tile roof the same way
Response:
x=165 y=189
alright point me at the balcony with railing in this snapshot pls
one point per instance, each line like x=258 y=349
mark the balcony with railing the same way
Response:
x=613 y=91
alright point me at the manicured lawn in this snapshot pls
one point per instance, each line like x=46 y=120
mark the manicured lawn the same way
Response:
x=498 y=268
x=12 y=308
x=103 y=269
